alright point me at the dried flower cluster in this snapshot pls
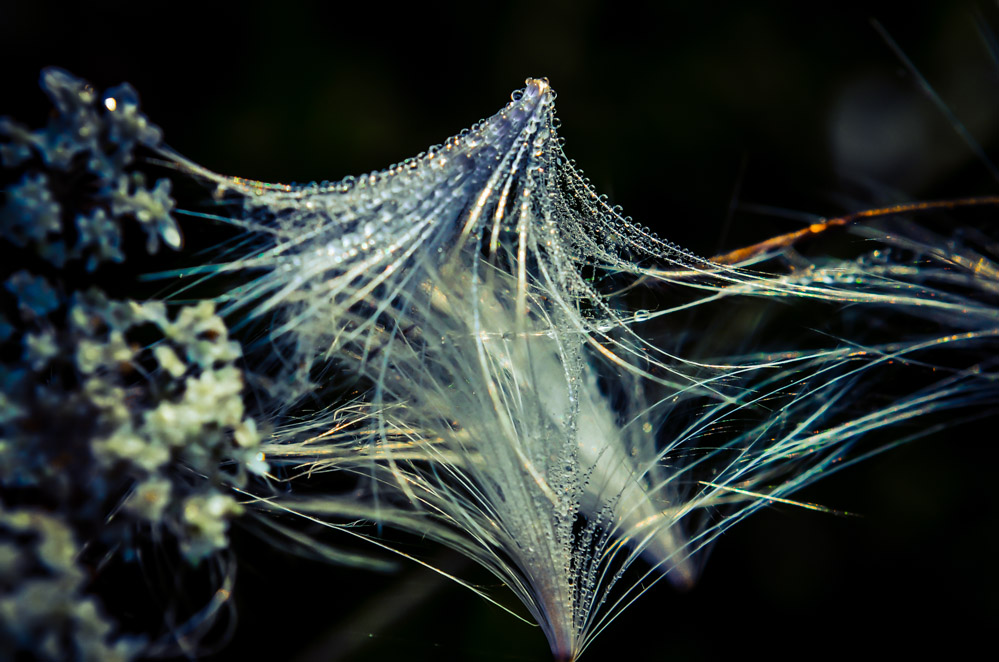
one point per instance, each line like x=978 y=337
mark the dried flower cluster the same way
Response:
x=119 y=420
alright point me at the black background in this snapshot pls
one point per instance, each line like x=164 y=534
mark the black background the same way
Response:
x=669 y=108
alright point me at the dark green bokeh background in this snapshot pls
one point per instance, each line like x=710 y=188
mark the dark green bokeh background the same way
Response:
x=669 y=108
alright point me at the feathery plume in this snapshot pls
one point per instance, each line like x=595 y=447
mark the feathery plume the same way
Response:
x=516 y=410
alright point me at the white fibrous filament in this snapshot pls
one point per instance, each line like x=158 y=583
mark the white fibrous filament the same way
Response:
x=514 y=374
